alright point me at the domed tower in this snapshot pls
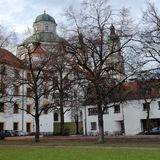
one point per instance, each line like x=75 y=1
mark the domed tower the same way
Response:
x=44 y=34
x=44 y=30
x=44 y=23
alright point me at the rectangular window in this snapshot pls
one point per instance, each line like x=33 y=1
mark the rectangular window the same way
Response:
x=15 y=126
x=1 y=126
x=92 y=111
x=16 y=90
x=116 y=108
x=2 y=88
x=159 y=105
x=46 y=28
x=28 y=108
x=1 y=107
x=146 y=106
x=56 y=116
x=93 y=126
x=106 y=110
x=28 y=76
x=28 y=127
x=16 y=73
x=15 y=109
x=29 y=92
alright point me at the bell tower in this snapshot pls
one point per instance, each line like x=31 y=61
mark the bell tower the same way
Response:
x=114 y=48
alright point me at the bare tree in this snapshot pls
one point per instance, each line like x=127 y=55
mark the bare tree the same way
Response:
x=77 y=101
x=150 y=36
x=64 y=70
x=150 y=40
x=146 y=91
x=96 y=47
x=40 y=81
x=8 y=38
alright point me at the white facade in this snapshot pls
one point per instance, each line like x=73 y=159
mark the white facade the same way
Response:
x=131 y=112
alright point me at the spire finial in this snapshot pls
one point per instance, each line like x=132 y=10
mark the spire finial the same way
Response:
x=44 y=11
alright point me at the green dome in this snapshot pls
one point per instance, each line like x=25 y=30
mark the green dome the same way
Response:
x=44 y=17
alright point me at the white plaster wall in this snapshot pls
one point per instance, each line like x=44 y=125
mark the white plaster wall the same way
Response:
x=132 y=113
x=111 y=121
x=132 y=117
x=46 y=122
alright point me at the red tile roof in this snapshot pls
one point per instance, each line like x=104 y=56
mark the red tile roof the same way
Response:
x=136 y=90
x=8 y=58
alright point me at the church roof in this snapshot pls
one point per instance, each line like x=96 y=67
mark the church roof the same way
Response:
x=41 y=37
x=44 y=17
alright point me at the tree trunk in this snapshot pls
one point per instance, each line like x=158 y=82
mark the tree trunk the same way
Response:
x=62 y=120
x=100 y=114
x=100 y=125
x=37 y=119
x=61 y=98
x=147 y=120
x=77 y=124
x=37 y=129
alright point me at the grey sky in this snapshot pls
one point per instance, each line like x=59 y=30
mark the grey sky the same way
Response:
x=21 y=13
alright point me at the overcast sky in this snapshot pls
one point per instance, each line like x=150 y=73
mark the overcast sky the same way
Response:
x=20 y=14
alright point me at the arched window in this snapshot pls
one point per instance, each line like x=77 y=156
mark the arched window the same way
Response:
x=55 y=116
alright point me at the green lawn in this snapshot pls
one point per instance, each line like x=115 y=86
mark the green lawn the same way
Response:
x=83 y=142
x=49 y=153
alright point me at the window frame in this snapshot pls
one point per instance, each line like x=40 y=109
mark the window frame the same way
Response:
x=93 y=126
x=145 y=106
x=16 y=108
x=17 y=127
x=116 y=111
x=1 y=107
x=28 y=108
x=92 y=111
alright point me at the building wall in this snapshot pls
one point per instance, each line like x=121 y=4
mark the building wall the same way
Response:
x=130 y=111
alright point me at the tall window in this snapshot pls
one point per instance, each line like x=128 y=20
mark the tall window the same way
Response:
x=28 y=108
x=2 y=88
x=1 y=126
x=1 y=107
x=15 y=109
x=16 y=90
x=159 y=105
x=106 y=110
x=46 y=28
x=28 y=76
x=29 y=92
x=55 y=116
x=16 y=73
x=116 y=108
x=15 y=126
x=93 y=126
x=28 y=127
x=92 y=111
x=146 y=106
